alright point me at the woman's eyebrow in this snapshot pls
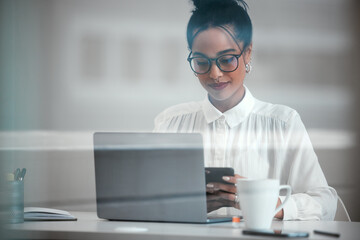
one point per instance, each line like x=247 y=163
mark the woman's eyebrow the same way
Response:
x=218 y=54
x=199 y=53
x=225 y=51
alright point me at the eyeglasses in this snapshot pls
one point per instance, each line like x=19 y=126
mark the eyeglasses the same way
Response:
x=202 y=64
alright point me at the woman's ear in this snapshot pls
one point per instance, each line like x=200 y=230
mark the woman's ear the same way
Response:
x=248 y=52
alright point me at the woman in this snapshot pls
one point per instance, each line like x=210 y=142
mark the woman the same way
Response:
x=257 y=139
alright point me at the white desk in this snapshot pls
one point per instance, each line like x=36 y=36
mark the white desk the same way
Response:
x=89 y=226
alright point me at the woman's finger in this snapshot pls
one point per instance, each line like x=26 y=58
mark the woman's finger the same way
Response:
x=238 y=176
x=215 y=187
x=212 y=187
x=232 y=179
x=228 y=196
x=227 y=188
x=223 y=197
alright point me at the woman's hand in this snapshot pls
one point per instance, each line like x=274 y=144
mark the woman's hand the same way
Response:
x=222 y=195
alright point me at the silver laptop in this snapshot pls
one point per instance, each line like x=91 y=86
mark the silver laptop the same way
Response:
x=151 y=177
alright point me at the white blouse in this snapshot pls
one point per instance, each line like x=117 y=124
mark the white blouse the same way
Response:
x=259 y=140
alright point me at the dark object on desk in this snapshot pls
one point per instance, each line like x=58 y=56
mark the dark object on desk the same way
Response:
x=330 y=234
x=213 y=175
x=151 y=177
x=276 y=233
x=47 y=214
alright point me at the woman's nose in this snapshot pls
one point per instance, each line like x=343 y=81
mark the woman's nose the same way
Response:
x=215 y=72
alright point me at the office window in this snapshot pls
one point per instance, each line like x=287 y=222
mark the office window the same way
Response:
x=132 y=61
x=92 y=57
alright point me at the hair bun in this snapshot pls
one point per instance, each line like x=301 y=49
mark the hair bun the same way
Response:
x=211 y=4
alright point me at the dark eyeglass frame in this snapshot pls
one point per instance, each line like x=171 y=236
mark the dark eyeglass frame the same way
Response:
x=210 y=60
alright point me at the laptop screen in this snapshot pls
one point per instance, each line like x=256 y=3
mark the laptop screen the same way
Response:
x=150 y=177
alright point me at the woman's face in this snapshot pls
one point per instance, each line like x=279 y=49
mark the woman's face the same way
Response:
x=225 y=89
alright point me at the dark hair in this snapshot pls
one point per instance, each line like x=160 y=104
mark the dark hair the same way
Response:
x=220 y=13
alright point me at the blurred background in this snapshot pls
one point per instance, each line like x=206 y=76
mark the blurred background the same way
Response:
x=70 y=68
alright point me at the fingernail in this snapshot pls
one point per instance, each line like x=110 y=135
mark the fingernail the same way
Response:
x=210 y=185
x=226 y=178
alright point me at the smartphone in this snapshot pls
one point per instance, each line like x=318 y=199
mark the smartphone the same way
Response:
x=213 y=174
x=276 y=233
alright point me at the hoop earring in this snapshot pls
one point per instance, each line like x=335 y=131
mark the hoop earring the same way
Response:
x=195 y=74
x=248 y=67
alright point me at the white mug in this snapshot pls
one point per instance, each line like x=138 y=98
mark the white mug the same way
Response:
x=258 y=199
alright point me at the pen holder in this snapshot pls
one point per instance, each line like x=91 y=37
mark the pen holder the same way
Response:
x=13 y=196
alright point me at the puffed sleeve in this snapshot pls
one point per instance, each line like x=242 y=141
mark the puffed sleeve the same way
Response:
x=159 y=123
x=312 y=198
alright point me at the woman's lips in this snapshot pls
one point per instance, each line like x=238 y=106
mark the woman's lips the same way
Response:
x=219 y=86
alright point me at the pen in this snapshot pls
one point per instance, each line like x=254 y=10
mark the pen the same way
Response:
x=16 y=174
x=327 y=233
x=22 y=175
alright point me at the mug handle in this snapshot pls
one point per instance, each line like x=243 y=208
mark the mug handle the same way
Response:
x=288 y=193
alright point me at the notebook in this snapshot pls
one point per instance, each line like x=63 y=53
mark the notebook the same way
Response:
x=47 y=214
x=151 y=177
